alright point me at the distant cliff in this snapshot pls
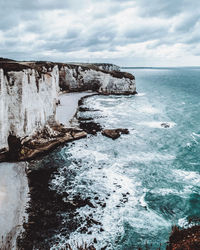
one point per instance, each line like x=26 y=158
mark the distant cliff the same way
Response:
x=79 y=78
x=29 y=92
x=101 y=66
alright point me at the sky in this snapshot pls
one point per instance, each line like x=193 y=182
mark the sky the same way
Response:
x=124 y=32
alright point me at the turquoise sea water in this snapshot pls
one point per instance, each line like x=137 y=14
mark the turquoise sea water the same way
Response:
x=144 y=182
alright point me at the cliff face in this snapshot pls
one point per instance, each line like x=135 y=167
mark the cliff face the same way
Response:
x=29 y=92
x=107 y=66
x=77 y=78
x=27 y=101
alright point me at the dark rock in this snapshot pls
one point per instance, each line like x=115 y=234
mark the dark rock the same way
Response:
x=84 y=109
x=90 y=127
x=165 y=125
x=188 y=238
x=114 y=133
x=104 y=205
x=58 y=102
x=15 y=146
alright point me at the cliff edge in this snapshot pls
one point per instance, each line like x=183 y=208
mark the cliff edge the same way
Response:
x=29 y=94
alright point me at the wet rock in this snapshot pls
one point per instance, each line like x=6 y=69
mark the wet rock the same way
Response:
x=104 y=205
x=165 y=125
x=84 y=109
x=188 y=238
x=83 y=230
x=90 y=127
x=44 y=142
x=114 y=133
x=15 y=146
x=85 y=119
x=3 y=154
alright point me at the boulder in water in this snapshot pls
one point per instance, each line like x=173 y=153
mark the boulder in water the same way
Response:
x=165 y=125
x=114 y=133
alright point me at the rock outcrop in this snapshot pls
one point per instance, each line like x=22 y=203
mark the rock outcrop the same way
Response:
x=102 y=66
x=114 y=133
x=107 y=66
x=29 y=92
x=188 y=238
x=80 y=78
x=27 y=100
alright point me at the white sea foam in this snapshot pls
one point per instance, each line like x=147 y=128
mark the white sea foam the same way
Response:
x=195 y=134
x=148 y=220
x=183 y=222
x=148 y=110
x=156 y=124
x=142 y=201
x=188 y=144
x=187 y=176
x=165 y=191
x=195 y=137
x=141 y=94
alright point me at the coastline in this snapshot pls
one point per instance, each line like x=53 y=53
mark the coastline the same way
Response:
x=61 y=131
x=38 y=180
x=14 y=199
x=47 y=205
x=65 y=115
x=44 y=202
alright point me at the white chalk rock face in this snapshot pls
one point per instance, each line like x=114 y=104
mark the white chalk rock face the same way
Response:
x=76 y=78
x=27 y=101
x=29 y=92
x=107 y=66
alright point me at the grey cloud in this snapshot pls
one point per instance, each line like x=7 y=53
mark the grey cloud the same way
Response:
x=97 y=30
x=188 y=23
x=166 y=8
x=145 y=33
x=25 y=5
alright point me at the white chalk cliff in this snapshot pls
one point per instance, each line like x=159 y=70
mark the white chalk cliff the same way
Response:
x=27 y=102
x=29 y=92
x=77 y=78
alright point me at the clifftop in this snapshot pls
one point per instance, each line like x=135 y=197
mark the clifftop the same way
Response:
x=9 y=65
x=29 y=92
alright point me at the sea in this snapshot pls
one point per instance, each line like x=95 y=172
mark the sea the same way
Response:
x=143 y=183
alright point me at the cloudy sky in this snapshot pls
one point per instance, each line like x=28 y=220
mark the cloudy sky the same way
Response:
x=125 y=32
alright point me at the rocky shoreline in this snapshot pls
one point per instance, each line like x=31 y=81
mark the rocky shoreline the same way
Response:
x=41 y=143
x=29 y=129
x=188 y=238
x=46 y=206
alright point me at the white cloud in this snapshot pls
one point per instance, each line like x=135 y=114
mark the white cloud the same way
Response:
x=127 y=32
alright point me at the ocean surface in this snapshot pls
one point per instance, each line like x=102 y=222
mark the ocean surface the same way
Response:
x=142 y=183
